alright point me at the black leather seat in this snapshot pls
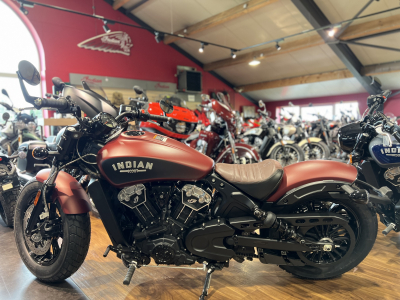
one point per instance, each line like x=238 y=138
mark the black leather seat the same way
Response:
x=257 y=180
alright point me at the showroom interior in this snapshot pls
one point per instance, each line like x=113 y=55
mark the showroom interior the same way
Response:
x=199 y=149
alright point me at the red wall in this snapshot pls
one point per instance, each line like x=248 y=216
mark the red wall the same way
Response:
x=60 y=32
x=392 y=105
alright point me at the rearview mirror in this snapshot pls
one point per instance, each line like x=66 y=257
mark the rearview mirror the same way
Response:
x=6 y=116
x=4 y=92
x=291 y=104
x=166 y=105
x=28 y=72
x=261 y=104
x=310 y=104
x=138 y=90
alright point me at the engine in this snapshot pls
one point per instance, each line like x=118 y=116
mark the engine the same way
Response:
x=165 y=213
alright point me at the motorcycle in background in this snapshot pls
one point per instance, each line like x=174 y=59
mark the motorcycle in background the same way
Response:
x=374 y=146
x=218 y=139
x=23 y=128
x=270 y=143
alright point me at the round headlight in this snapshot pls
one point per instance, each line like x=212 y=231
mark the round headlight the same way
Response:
x=180 y=127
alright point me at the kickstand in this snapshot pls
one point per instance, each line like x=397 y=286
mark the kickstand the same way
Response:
x=207 y=282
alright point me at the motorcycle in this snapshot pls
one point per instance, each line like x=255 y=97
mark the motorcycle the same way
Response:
x=9 y=189
x=269 y=142
x=22 y=129
x=373 y=145
x=218 y=139
x=159 y=199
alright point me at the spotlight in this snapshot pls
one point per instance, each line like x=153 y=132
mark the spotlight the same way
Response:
x=23 y=9
x=105 y=27
x=277 y=46
x=331 y=32
x=254 y=62
x=157 y=36
x=233 y=54
x=201 y=49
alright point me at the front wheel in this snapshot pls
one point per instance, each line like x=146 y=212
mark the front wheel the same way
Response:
x=352 y=242
x=56 y=256
x=316 y=150
x=288 y=154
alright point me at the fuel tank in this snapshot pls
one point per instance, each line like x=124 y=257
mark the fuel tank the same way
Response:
x=137 y=157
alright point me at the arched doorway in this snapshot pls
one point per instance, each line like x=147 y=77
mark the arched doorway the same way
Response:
x=19 y=42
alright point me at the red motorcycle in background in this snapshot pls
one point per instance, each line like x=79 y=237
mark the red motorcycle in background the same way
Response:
x=218 y=139
x=185 y=120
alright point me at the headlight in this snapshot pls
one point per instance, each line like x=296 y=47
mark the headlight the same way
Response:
x=20 y=125
x=180 y=127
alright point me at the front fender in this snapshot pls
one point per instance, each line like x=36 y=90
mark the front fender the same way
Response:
x=72 y=197
x=242 y=150
x=279 y=144
x=309 y=140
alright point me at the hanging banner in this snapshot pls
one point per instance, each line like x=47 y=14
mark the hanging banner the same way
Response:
x=113 y=42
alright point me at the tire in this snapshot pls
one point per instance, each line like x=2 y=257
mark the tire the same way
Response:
x=320 y=147
x=75 y=240
x=367 y=224
x=8 y=200
x=293 y=148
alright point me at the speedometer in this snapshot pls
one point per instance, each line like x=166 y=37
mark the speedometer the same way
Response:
x=108 y=120
x=103 y=123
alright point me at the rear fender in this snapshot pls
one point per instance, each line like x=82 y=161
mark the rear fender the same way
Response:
x=242 y=150
x=308 y=177
x=309 y=140
x=279 y=144
x=72 y=197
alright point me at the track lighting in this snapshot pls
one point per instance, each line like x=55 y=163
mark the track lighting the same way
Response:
x=277 y=46
x=201 y=49
x=233 y=54
x=105 y=26
x=254 y=62
x=157 y=36
x=331 y=32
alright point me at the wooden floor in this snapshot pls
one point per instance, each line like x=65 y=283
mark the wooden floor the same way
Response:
x=377 y=277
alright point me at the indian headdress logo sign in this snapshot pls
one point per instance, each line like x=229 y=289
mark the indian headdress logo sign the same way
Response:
x=114 y=42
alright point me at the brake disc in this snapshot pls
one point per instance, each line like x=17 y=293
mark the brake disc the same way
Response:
x=35 y=243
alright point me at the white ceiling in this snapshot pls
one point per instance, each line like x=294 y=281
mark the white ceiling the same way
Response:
x=271 y=22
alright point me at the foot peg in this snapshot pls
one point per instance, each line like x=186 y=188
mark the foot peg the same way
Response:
x=131 y=270
x=389 y=229
x=107 y=251
x=359 y=196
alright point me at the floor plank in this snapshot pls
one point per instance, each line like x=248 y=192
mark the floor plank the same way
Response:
x=377 y=277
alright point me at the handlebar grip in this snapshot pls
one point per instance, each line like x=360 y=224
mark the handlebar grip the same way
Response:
x=386 y=93
x=53 y=103
x=159 y=118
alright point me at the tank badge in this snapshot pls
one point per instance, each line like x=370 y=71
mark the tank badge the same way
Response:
x=132 y=167
x=160 y=138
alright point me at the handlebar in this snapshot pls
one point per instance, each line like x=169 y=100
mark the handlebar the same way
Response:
x=59 y=103
x=143 y=116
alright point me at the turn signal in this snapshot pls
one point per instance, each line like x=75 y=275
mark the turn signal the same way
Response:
x=37 y=197
x=351 y=159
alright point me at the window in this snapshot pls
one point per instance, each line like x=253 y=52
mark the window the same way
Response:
x=288 y=111
x=347 y=109
x=12 y=51
x=309 y=113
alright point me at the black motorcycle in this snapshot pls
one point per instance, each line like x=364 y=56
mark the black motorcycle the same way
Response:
x=377 y=157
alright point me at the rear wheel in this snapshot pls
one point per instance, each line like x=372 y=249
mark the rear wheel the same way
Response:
x=352 y=242
x=8 y=200
x=316 y=150
x=288 y=154
x=58 y=255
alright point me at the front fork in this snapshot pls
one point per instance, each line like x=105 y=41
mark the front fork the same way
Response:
x=233 y=147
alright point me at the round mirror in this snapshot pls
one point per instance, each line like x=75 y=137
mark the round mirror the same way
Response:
x=28 y=72
x=166 y=105
x=4 y=92
x=138 y=90
x=6 y=116
x=261 y=103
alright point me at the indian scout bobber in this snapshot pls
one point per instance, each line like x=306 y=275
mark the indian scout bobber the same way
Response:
x=159 y=199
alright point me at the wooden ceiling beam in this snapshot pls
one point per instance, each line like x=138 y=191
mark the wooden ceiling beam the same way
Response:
x=219 y=19
x=119 y=3
x=371 y=70
x=354 y=31
x=340 y=74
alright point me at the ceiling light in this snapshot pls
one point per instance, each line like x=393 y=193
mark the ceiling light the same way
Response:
x=201 y=49
x=233 y=54
x=254 y=62
x=277 y=46
x=23 y=9
x=157 y=36
x=331 y=32
x=105 y=27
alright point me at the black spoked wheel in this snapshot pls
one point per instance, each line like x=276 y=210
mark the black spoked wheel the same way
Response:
x=349 y=243
x=315 y=150
x=287 y=155
x=55 y=248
